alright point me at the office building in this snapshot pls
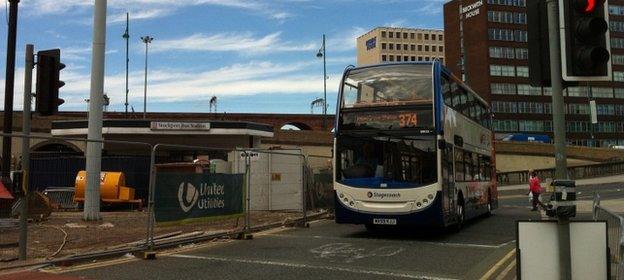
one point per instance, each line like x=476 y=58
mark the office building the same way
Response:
x=392 y=44
x=486 y=45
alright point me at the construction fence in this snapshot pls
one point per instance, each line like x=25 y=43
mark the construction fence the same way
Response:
x=162 y=195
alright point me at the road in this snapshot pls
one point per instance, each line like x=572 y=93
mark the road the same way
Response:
x=330 y=251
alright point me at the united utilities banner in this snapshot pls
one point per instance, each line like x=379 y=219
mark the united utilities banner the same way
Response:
x=187 y=197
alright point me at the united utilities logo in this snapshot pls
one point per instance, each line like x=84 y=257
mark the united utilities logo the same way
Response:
x=383 y=195
x=187 y=196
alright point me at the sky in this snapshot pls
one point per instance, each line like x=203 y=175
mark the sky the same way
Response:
x=253 y=55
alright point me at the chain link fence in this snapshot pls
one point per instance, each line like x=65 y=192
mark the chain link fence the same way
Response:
x=574 y=173
x=55 y=192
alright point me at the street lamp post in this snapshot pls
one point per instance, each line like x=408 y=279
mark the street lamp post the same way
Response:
x=321 y=54
x=147 y=40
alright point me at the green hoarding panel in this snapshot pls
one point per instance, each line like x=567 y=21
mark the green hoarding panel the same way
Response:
x=186 y=197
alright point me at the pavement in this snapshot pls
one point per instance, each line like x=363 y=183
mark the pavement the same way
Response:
x=484 y=249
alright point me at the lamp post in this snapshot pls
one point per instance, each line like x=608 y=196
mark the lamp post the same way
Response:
x=321 y=54
x=147 y=40
x=126 y=37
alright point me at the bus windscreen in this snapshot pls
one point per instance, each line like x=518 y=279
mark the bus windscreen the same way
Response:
x=388 y=85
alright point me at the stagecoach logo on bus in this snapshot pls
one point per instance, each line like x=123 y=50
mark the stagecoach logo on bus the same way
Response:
x=189 y=196
x=383 y=195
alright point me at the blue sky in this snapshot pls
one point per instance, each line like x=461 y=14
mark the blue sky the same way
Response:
x=254 y=55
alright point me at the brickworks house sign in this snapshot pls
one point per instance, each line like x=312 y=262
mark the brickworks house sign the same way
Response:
x=471 y=10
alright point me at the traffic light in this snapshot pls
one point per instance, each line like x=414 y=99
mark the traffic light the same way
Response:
x=539 y=50
x=585 y=44
x=48 y=69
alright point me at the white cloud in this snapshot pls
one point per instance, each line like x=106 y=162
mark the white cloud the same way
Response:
x=179 y=85
x=148 y=9
x=231 y=42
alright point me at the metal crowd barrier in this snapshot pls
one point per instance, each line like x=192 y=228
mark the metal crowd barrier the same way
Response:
x=615 y=225
x=574 y=173
x=63 y=198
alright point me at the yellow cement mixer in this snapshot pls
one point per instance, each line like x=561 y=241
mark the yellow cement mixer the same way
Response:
x=113 y=188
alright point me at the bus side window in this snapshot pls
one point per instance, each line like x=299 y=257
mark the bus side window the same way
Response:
x=459 y=165
x=446 y=91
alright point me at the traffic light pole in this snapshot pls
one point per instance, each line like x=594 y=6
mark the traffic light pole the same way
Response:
x=559 y=132
x=28 y=69
x=9 y=89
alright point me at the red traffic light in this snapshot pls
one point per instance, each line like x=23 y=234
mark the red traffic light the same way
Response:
x=586 y=6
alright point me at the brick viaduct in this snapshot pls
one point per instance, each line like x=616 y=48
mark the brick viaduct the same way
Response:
x=301 y=121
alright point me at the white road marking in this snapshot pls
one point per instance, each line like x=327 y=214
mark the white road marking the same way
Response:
x=447 y=244
x=297 y=265
x=349 y=253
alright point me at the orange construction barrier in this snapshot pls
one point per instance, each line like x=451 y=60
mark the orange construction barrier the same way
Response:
x=113 y=188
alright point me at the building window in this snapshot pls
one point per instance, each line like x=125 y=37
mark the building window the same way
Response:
x=507 y=89
x=577 y=91
x=522 y=71
x=413 y=47
x=522 y=53
x=441 y=48
x=616 y=26
x=420 y=48
x=618 y=76
x=530 y=108
x=391 y=46
x=605 y=109
x=505 y=125
x=383 y=34
x=617 y=43
x=426 y=58
x=433 y=49
x=426 y=48
x=413 y=58
x=530 y=126
x=383 y=57
x=602 y=92
x=521 y=36
x=504 y=107
x=617 y=59
x=383 y=46
x=412 y=36
x=619 y=93
x=528 y=90
x=502 y=52
x=419 y=36
x=391 y=34
x=500 y=34
x=398 y=35
x=577 y=109
x=406 y=58
x=517 y=3
x=404 y=35
x=616 y=10
x=440 y=37
x=426 y=36
x=405 y=46
x=398 y=46
x=420 y=58
x=502 y=70
x=391 y=57
x=398 y=58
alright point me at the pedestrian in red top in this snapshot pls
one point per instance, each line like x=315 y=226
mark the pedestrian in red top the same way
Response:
x=536 y=189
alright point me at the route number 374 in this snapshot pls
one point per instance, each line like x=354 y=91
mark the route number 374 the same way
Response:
x=408 y=120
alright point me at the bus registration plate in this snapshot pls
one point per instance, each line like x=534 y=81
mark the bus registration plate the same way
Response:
x=391 y=222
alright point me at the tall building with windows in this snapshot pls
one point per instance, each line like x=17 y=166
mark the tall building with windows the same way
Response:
x=486 y=45
x=391 y=44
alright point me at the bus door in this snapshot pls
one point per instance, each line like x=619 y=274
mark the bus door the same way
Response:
x=448 y=181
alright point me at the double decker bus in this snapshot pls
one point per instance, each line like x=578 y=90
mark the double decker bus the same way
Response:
x=412 y=147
